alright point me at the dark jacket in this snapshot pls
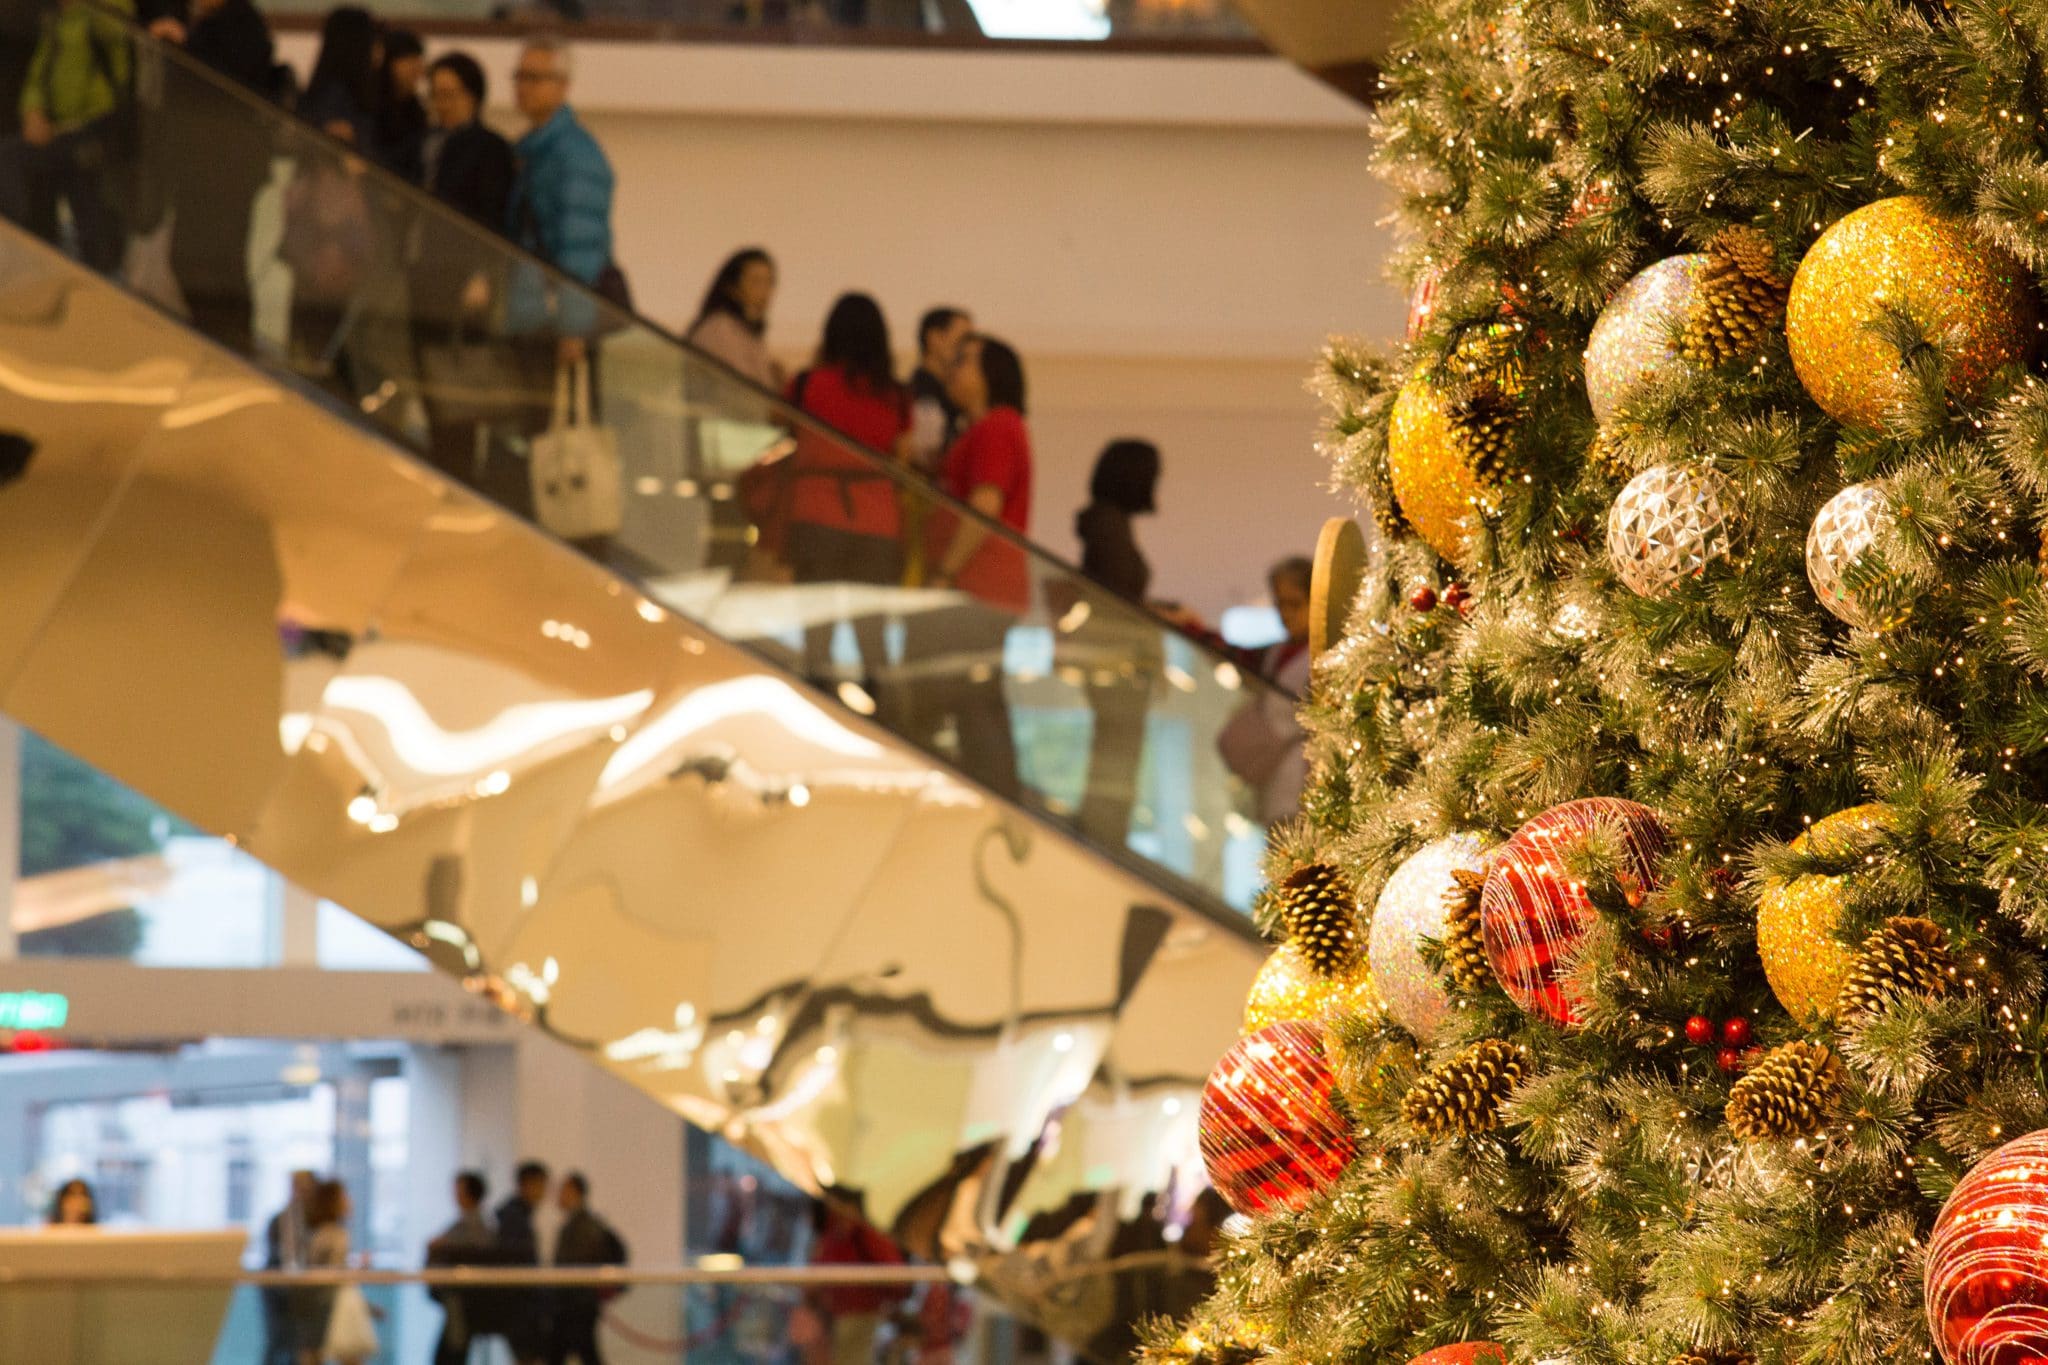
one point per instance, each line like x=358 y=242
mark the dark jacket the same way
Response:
x=586 y=1239
x=234 y=41
x=336 y=103
x=1109 y=551
x=561 y=212
x=401 y=135
x=515 y=1232
x=474 y=174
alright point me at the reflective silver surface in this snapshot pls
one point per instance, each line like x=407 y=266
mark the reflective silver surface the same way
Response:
x=745 y=899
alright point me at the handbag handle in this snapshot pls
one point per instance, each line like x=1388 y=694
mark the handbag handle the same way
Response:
x=572 y=395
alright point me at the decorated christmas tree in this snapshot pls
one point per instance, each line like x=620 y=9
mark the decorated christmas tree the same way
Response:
x=1660 y=949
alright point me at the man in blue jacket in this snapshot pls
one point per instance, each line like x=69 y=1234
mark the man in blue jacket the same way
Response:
x=561 y=207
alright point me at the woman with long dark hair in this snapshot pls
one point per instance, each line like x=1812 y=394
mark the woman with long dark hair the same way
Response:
x=990 y=470
x=732 y=324
x=343 y=95
x=845 y=524
x=1116 y=646
x=74 y=1206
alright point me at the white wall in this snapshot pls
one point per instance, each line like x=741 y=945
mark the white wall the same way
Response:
x=1167 y=241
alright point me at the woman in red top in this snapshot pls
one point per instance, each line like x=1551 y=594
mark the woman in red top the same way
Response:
x=845 y=523
x=989 y=469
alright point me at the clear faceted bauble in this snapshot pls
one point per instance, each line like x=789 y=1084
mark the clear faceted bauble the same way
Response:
x=1667 y=525
x=1846 y=529
x=1636 y=339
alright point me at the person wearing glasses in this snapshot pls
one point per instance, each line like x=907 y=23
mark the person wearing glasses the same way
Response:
x=561 y=206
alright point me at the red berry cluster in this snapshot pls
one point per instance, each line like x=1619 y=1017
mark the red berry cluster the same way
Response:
x=1456 y=596
x=1734 y=1035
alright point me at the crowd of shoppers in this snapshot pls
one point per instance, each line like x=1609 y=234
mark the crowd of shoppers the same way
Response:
x=479 y=354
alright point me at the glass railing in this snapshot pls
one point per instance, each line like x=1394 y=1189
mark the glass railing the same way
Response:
x=717 y=499
x=59 y=1308
x=1203 y=25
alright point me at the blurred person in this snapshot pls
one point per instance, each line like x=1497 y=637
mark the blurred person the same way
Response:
x=732 y=322
x=845 y=524
x=1262 y=743
x=213 y=160
x=585 y=1240
x=561 y=211
x=285 y=1240
x=990 y=470
x=400 y=125
x=468 y=1240
x=935 y=419
x=314 y=1308
x=21 y=22
x=469 y=168
x=70 y=151
x=853 y=1312
x=346 y=88
x=523 y=1311
x=74 y=1206
x=1120 y=646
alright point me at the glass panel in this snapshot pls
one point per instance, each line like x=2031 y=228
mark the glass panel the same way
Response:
x=846 y=566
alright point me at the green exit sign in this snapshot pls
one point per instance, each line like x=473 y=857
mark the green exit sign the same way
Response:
x=33 y=1010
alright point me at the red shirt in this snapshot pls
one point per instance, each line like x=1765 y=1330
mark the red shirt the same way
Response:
x=833 y=486
x=994 y=452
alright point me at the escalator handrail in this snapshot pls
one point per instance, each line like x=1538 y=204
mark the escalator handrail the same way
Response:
x=419 y=200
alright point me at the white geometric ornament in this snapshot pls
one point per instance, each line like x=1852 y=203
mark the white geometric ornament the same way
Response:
x=1667 y=525
x=1846 y=528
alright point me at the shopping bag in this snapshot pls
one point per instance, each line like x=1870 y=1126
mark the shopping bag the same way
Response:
x=351 y=1329
x=578 y=486
x=465 y=381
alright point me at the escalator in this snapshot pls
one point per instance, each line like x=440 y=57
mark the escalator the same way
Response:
x=641 y=791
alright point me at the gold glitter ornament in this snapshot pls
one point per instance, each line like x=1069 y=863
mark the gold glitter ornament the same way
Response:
x=1971 y=299
x=1796 y=922
x=1286 y=988
x=1436 y=481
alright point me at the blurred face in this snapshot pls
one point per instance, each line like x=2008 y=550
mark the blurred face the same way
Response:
x=539 y=86
x=74 y=1206
x=534 y=1189
x=944 y=348
x=756 y=290
x=406 y=73
x=302 y=1186
x=569 y=1197
x=450 y=102
x=462 y=1199
x=1290 y=599
x=966 y=384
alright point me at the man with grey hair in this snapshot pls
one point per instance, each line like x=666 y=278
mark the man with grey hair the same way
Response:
x=561 y=208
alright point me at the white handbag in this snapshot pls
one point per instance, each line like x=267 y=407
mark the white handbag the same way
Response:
x=578 y=487
x=351 y=1329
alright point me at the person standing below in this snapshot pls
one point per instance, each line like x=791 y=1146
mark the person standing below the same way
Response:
x=935 y=419
x=855 y=1311
x=330 y=238
x=469 y=168
x=990 y=469
x=327 y=1215
x=524 y=1312
x=213 y=162
x=845 y=524
x=285 y=1240
x=732 y=323
x=466 y=1241
x=1121 y=643
x=75 y=1206
x=585 y=1240
x=79 y=76
x=561 y=211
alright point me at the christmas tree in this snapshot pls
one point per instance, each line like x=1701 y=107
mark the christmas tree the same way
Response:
x=1662 y=937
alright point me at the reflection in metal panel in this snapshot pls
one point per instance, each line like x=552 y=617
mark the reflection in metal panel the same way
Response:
x=744 y=898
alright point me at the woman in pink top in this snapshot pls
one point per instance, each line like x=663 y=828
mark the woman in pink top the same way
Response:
x=989 y=469
x=732 y=326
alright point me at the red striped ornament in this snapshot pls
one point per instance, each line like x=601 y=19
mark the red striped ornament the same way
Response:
x=1987 y=1260
x=1465 y=1353
x=1533 y=916
x=1272 y=1135
x=1422 y=298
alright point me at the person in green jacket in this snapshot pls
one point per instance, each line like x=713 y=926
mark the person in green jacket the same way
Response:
x=78 y=80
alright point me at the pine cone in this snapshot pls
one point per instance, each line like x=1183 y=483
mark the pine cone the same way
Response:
x=1786 y=1095
x=1464 y=951
x=1605 y=455
x=1484 y=424
x=1905 y=956
x=1320 y=912
x=1387 y=517
x=1741 y=299
x=1464 y=1095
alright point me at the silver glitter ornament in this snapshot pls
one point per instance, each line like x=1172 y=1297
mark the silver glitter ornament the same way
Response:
x=1411 y=908
x=1669 y=523
x=1636 y=338
x=1846 y=529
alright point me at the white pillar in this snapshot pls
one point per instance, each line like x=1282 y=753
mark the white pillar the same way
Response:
x=297 y=924
x=10 y=831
